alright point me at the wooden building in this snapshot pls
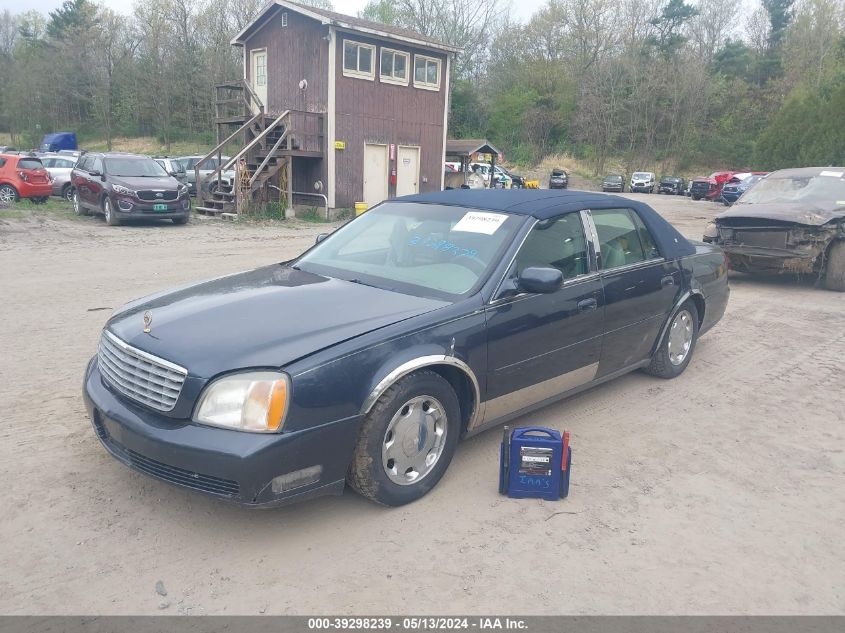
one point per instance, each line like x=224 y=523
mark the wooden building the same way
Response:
x=345 y=107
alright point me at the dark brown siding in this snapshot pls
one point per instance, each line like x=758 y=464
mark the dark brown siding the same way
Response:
x=375 y=112
x=294 y=52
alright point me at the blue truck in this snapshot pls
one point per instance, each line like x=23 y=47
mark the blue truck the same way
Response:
x=58 y=141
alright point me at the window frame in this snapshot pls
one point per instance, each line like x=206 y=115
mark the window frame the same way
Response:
x=631 y=213
x=357 y=74
x=391 y=79
x=497 y=297
x=425 y=85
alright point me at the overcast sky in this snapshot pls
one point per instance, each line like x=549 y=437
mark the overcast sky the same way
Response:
x=521 y=9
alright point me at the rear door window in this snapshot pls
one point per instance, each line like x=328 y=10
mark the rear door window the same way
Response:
x=619 y=240
x=646 y=240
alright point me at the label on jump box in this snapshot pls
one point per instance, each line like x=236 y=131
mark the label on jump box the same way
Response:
x=535 y=461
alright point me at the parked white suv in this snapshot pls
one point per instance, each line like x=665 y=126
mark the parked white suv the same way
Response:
x=643 y=181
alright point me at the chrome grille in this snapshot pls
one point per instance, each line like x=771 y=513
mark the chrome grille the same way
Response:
x=136 y=374
x=158 y=196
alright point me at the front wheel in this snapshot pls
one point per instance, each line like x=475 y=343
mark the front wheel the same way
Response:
x=108 y=212
x=678 y=344
x=67 y=193
x=182 y=220
x=407 y=440
x=834 y=275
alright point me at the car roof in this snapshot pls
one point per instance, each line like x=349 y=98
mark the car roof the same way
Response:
x=547 y=203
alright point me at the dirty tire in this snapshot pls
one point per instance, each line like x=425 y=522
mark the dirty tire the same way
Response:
x=834 y=274
x=661 y=364
x=109 y=214
x=78 y=209
x=367 y=474
x=67 y=193
x=182 y=220
x=8 y=194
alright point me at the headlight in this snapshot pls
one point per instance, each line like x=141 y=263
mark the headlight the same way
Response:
x=251 y=401
x=183 y=189
x=711 y=230
x=122 y=190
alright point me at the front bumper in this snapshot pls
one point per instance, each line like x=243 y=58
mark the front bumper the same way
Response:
x=641 y=188
x=233 y=466
x=669 y=189
x=131 y=207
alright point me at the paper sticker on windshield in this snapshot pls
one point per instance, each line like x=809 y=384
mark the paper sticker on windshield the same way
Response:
x=478 y=222
x=833 y=174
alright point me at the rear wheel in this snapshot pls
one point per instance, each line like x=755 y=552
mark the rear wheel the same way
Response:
x=182 y=220
x=67 y=192
x=8 y=194
x=834 y=275
x=108 y=212
x=78 y=209
x=407 y=440
x=678 y=344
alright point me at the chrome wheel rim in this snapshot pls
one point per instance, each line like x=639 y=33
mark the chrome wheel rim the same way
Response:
x=414 y=440
x=107 y=209
x=69 y=195
x=680 y=337
x=7 y=196
x=76 y=203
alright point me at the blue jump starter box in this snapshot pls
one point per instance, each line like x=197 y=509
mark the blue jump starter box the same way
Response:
x=535 y=462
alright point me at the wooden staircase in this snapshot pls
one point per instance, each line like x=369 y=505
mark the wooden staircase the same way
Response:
x=263 y=165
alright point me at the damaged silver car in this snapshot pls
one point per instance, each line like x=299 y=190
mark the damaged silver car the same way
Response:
x=791 y=221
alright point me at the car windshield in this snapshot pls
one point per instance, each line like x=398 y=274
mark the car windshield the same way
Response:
x=641 y=175
x=134 y=168
x=421 y=249
x=614 y=179
x=827 y=188
x=30 y=163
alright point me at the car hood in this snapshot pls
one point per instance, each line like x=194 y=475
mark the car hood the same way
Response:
x=267 y=317
x=165 y=182
x=799 y=213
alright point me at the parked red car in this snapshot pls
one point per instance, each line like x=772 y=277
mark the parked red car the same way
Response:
x=710 y=187
x=23 y=177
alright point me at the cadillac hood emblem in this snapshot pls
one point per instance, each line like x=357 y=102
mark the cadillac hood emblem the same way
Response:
x=148 y=320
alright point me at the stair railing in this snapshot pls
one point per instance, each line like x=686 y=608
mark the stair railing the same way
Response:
x=217 y=149
x=269 y=155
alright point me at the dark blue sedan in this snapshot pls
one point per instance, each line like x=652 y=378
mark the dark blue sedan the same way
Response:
x=366 y=359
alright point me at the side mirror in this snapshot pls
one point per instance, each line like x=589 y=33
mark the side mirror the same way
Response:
x=542 y=280
x=94 y=173
x=172 y=173
x=321 y=237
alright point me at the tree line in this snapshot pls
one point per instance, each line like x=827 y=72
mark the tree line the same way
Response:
x=663 y=83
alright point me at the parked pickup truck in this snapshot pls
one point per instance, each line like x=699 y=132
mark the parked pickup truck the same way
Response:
x=710 y=188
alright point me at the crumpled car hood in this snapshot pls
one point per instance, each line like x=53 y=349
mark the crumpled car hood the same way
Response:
x=799 y=212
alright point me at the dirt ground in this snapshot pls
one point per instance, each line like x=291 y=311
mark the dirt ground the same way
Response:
x=720 y=492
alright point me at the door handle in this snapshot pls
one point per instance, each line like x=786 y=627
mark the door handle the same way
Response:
x=668 y=280
x=587 y=304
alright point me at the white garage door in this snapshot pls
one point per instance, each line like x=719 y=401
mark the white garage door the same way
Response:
x=375 y=173
x=408 y=171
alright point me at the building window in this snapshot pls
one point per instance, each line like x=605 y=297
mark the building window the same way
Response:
x=394 y=66
x=261 y=69
x=358 y=60
x=426 y=72
x=284 y=19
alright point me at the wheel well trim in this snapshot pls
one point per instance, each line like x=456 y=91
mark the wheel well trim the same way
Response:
x=422 y=362
x=684 y=297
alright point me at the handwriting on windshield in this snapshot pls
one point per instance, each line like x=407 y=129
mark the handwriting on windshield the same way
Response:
x=444 y=246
